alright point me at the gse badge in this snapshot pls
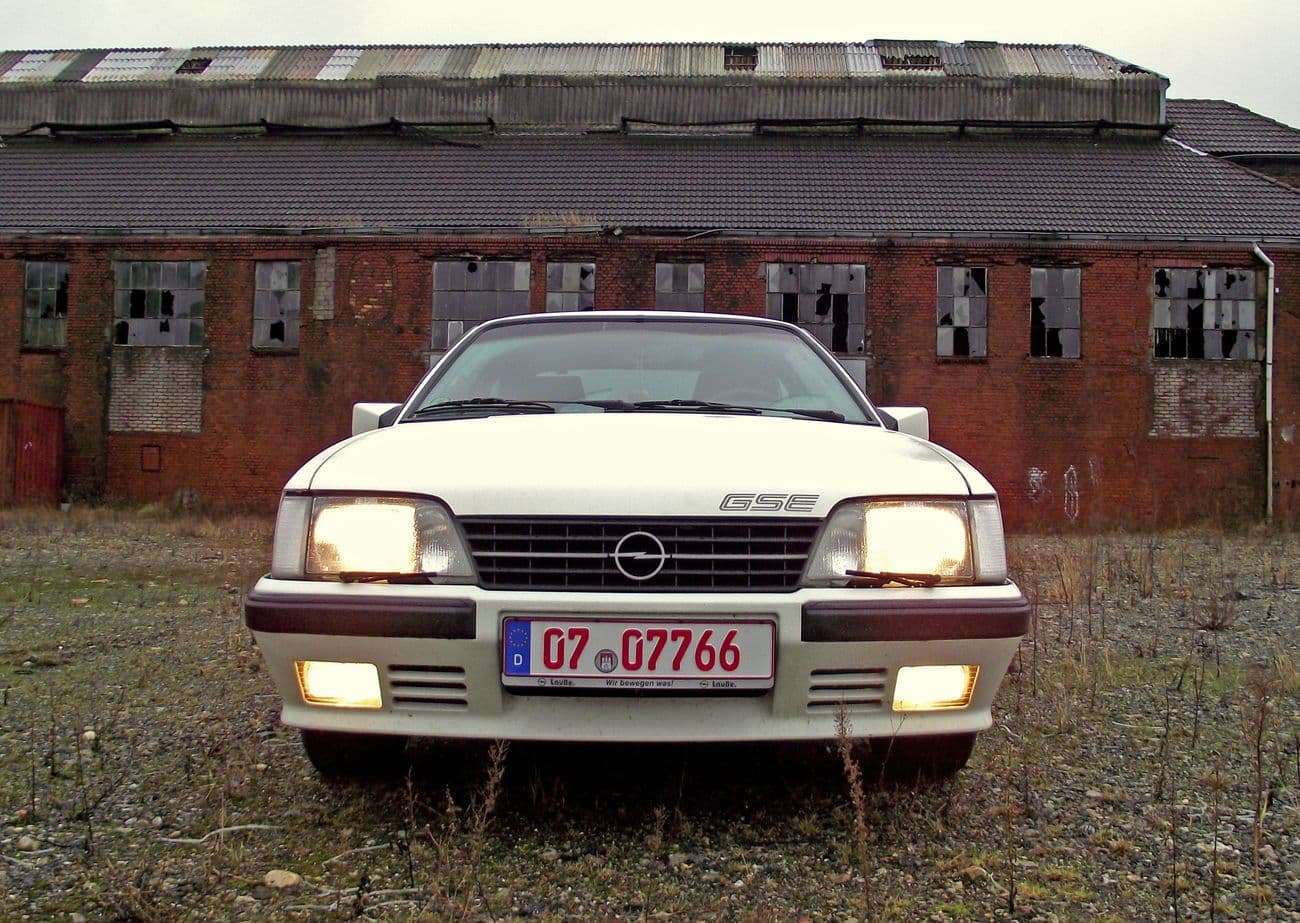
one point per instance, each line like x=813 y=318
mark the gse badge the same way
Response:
x=769 y=503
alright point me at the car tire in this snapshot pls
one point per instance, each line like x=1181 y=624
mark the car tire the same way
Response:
x=920 y=760
x=340 y=754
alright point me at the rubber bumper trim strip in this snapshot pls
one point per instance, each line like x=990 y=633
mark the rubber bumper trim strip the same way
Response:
x=447 y=619
x=915 y=620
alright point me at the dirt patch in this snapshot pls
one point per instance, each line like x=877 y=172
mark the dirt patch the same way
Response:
x=1143 y=764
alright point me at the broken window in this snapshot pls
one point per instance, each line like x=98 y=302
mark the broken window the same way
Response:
x=45 y=305
x=194 y=66
x=570 y=286
x=468 y=292
x=911 y=62
x=829 y=300
x=679 y=286
x=963 y=307
x=1204 y=314
x=276 y=304
x=1054 y=311
x=158 y=303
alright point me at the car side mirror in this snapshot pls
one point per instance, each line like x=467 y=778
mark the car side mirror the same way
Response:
x=914 y=421
x=366 y=417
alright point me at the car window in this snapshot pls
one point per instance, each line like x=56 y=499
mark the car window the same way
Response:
x=644 y=360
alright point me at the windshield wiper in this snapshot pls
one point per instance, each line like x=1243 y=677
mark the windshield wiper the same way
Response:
x=379 y=576
x=872 y=579
x=483 y=403
x=683 y=404
x=833 y=416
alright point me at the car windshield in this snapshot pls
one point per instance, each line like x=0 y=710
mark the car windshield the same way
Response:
x=591 y=366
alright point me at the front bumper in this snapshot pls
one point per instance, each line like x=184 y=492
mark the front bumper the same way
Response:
x=438 y=652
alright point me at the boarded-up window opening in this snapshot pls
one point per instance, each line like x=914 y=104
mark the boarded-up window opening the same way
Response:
x=158 y=303
x=45 y=305
x=962 y=311
x=468 y=292
x=276 y=304
x=679 y=286
x=1054 y=312
x=740 y=58
x=570 y=286
x=829 y=300
x=1204 y=314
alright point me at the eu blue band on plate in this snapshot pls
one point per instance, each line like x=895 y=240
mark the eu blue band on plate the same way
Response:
x=518 y=645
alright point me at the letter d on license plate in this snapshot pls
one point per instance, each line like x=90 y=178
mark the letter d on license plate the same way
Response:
x=638 y=654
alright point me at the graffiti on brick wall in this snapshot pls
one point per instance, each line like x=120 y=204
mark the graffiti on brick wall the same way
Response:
x=1040 y=491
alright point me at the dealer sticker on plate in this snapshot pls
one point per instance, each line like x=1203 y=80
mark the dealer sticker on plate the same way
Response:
x=614 y=654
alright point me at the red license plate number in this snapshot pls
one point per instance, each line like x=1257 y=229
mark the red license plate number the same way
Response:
x=638 y=654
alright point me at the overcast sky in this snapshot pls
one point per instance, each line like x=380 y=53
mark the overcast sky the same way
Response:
x=1246 y=51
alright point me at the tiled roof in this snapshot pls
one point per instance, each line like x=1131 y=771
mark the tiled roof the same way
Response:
x=1223 y=128
x=914 y=184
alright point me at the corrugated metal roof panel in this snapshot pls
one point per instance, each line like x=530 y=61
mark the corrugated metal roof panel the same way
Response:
x=482 y=62
x=297 y=63
x=149 y=64
x=771 y=60
x=8 y=59
x=250 y=64
x=340 y=64
x=1083 y=63
x=957 y=61
x=80 y=66
x=371 y=63
x=817 y=61
x=1019 y=59
x=1052 y=60
x=541 y=102
x=863 y=59
x=987 y=59
x=645 y=60
x=38 y=66
x=694 y=60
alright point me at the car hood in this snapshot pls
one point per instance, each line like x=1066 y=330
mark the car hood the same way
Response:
x=636 y=464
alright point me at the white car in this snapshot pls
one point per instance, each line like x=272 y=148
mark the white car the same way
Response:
x=653 y=527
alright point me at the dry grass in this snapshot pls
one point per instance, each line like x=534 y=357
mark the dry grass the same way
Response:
x=1143 y=764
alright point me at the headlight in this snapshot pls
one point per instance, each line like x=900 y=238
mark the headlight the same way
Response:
x=943 y=541
x=326 y=537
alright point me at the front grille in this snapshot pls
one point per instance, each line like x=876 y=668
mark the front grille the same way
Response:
x=701 y=555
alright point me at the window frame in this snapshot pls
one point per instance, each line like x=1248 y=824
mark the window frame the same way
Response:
x=290 y=316
x=1227 y=314
x=679 y=285
x=1043 y=292
x=147 y=277
x=460 y=301
x=571 y=285
x=971 y=306
x=799 y=284
x=57 y=296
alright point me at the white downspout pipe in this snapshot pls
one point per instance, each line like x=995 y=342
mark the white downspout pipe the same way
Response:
x=1268 y=386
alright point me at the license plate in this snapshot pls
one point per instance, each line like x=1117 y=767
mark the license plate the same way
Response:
x=634 y=654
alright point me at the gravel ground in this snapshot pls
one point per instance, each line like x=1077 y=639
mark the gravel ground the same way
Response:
x=1143 y=765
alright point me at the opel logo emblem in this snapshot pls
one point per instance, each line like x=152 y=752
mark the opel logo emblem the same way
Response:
x=639 y=556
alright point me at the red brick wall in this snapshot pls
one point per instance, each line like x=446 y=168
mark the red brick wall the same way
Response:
x=1084 y=424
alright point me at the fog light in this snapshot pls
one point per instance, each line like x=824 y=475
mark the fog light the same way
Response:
x=342 y=685
x=934 y=688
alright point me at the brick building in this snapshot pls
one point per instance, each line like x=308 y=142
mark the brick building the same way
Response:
x=206 y=255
